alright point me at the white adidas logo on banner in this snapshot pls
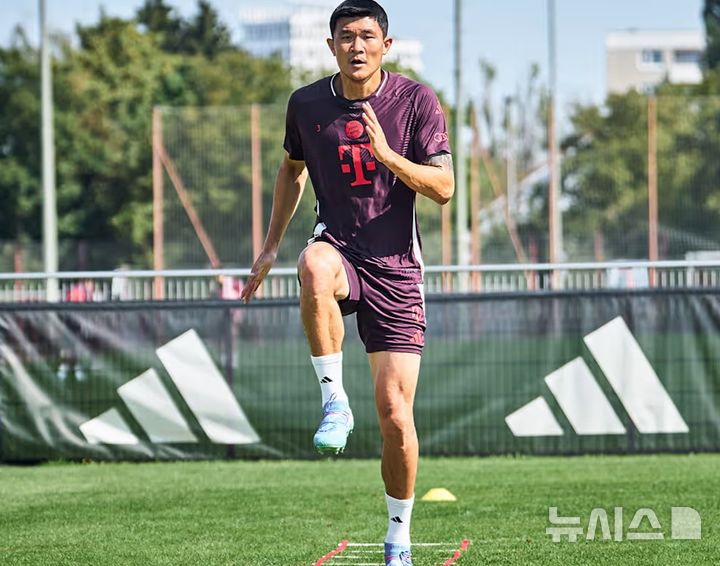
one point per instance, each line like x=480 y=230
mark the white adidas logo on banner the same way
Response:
x=581 y=399
x=201 y=385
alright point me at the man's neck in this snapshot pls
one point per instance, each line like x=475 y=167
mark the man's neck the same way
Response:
x=355 y=90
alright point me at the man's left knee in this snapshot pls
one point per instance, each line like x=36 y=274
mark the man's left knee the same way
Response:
x=396 y=416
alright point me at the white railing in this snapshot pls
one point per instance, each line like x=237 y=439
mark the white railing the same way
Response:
x=204 y=284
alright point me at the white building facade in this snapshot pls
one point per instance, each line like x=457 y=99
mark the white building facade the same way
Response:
x=640 y=60
x=298 y=34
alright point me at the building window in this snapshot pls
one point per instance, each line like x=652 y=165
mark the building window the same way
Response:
x=652 y=56
x=687 y=56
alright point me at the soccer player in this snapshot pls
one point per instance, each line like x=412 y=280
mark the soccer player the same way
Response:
x=370 y=141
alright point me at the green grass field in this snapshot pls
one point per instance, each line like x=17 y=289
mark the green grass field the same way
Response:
x=292 y=513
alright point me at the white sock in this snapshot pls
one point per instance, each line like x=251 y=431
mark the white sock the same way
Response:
x=329 y=373
x=399 y=514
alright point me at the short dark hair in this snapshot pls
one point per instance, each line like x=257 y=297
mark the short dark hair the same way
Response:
x=360 y=9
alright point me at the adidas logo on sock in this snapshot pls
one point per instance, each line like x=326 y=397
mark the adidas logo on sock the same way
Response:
x=396 y=520
x=326 y=379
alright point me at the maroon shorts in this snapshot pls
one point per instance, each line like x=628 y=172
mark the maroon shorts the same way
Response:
x=390 y=310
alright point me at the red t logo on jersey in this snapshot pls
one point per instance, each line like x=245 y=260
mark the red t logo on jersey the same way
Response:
x=358 y=166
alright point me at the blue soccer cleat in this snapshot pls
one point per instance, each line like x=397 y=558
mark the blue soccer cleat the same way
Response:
x=397 y=554
x=335 y=427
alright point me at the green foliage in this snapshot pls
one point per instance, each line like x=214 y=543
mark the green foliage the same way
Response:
x=606 y=173
x=234 y=78
x=105 y=89
x=19 y=141
x=606 y=157
x=711 y=16
x=112 y=82
x=106 y=85
x=160 y=19
x=204 y=34
x=211 y=149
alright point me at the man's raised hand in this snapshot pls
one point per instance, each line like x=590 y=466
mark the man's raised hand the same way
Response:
x=380 y=146
x=259 y=271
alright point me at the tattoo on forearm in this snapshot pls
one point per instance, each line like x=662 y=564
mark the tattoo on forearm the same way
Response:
x=441 y=161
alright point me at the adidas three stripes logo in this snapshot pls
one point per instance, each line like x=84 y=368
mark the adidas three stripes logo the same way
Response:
x=581 y=399
x=202 y=387
x=222 y=419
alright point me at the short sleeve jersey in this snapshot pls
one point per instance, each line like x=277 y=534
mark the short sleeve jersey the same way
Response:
x=366 y=211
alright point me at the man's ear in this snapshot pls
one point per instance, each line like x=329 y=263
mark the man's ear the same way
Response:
x=331 y=45
x=387 y=42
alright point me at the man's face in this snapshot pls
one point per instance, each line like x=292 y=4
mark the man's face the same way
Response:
x=358 y=45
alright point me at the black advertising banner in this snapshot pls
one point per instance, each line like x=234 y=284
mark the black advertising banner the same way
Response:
x=536 y=373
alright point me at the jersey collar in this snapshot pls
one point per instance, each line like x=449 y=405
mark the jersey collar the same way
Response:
x=383 y=82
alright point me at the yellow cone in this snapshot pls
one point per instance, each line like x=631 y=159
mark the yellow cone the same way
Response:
x=439 y=494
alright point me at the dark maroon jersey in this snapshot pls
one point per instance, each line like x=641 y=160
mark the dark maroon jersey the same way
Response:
x=362 y=207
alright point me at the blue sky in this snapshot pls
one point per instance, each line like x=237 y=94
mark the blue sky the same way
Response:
x=511 y=34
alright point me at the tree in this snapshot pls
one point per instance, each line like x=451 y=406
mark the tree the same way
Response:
x=19 y=141
x=205 y=33
x=123 y=75
x=606 y=172
x=158 y=18
x=106 y=85
x=108 y=89
x=711 y=16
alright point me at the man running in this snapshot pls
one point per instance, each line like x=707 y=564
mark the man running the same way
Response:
x=370 y=141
